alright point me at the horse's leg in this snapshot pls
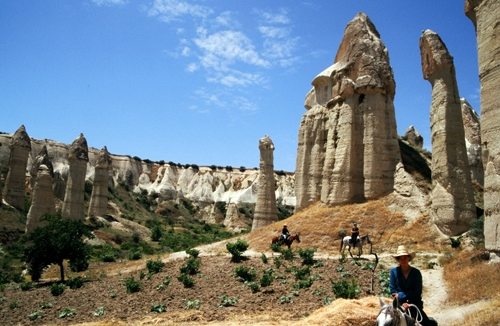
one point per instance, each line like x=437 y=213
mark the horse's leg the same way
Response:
x=349 y=249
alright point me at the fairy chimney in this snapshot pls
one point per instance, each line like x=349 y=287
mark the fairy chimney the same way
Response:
x=266 y=211
x=485 y=15
x=472 y=129
x=413 y=137
x=15 y=183
x=453 y=206
x=43 y=199
x=348 y=146
x=73 y=206
x=99 y=199
x=41 y=158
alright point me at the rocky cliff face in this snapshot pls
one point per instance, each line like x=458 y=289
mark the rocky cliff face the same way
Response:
x=98 y=205
x=43 y=199
x=485 y=15
x=472 y=129
x=453 y=206
x=202 y=185
x=350 y=124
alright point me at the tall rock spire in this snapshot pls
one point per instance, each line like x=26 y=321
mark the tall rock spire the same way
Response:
x=15 y=183
x=43 y=199
x=99 y=199
x=485 y=15
x=41 y=158
x=73 y=206
x=348 y=144
x=266 y=211
x=453 y=205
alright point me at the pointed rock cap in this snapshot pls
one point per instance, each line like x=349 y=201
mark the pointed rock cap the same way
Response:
x=265 y=143
x=20 y=138
x=79 y=149
x=434 y=54
x=103 y=160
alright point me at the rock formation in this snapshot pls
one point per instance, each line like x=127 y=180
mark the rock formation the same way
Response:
x=99 y=200
x=348 y=143
x=413 y=137
x=43 y=199
x=41 y=158
x=472 y=129
x=266 y=211
x=485 y=15
x=15 y=183
x=73 y=206
x=453 y=205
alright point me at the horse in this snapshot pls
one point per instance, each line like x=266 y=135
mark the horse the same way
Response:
x=346 y=242
x=288 y=240
x=391 y=315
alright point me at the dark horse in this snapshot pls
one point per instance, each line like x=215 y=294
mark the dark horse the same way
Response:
x=288 y=241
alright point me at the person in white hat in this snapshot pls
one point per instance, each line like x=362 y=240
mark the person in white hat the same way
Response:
x=406 y=284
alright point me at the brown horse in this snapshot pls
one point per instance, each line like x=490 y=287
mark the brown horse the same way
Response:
x=288 y=241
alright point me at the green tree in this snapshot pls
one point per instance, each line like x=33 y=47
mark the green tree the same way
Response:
x=60 y=239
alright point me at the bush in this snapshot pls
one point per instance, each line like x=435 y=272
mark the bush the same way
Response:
x=57 y=289
x=242 y=168
x=154 y=266
x=225 y=301
x=385 y=280
x=187 y=281
x=288 y=254
x=74 y=283
x=264 y=258
x=193 y=304
x=304 y=284
x=307 y=255
x=253 y=286
x=191 y=266
x=276 y=247
x=193 y=253
x=236 y=249
x=132 y=285
x=108 y=258
x=267 y=277
x=302 y=274
x=26 y=286
x=344 y=289
x=156 y=233
x=245 y=273
x=158 y=308
x=135 y=255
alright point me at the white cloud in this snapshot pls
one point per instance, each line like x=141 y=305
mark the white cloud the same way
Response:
x=274 y=32
x=226 y=19
x=169 y=10
x=209 y=97
x=109 y=2
x=224 y=48
x=192 y=67
x=186 y=51
x=273 y=18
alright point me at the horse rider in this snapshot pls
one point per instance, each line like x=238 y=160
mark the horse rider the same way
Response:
x=284 y=233
x=354 y=233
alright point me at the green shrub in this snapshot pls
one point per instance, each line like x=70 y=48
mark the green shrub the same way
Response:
x=154 y=266
x=245 y=273
x=132 y=285
x=385 y=280
x=225 y=301
x=35 y=315
x=74 y=283
x=304 y=284
x=275 y=247
x=193 y=253
x=163 y=284
x=67 y=312
x=187 y=281
x=191 y=266
x=135 y=255
x=267 y=277
x=18 y=278
x=57 y=289
x=193 y=304
x=236 y=249
x=158 y=308
x=344 y=289
x=307 y=255
x=288 y=254
x=98 y=312
x=278 y=261
x=108 y=258
x=253 y=286
x=264 y=258
x=26 y=286
x=156 y=233
x=302 y=274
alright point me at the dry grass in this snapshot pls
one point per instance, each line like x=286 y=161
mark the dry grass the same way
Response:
x=470 y=279
x=319 y=226
x=489 y=315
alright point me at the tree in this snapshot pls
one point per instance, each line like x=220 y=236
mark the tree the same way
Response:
x=60 y=239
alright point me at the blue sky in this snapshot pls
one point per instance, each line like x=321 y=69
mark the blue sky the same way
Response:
x=200 y=82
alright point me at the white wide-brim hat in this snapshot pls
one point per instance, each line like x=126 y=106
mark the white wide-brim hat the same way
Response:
x=402 y=251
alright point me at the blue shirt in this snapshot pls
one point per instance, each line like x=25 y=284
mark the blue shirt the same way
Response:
x=409 y=289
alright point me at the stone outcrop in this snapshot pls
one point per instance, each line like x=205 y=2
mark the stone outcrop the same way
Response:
x=266 y=211
x=15 y=184
x=99 y=199
x=73 y=206
x=43 y=199
x=453 y=206
x=348 y=143
x=41 y=158
x=485 y=15
x=413 y=137
x=472 y=129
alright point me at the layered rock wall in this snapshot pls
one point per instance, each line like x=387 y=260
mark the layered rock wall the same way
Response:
x=348 y=143
x=472 y=129
x=453 y=205
x=73 y=206
x=266 y=211
x=14 y=191
x=485 y=15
